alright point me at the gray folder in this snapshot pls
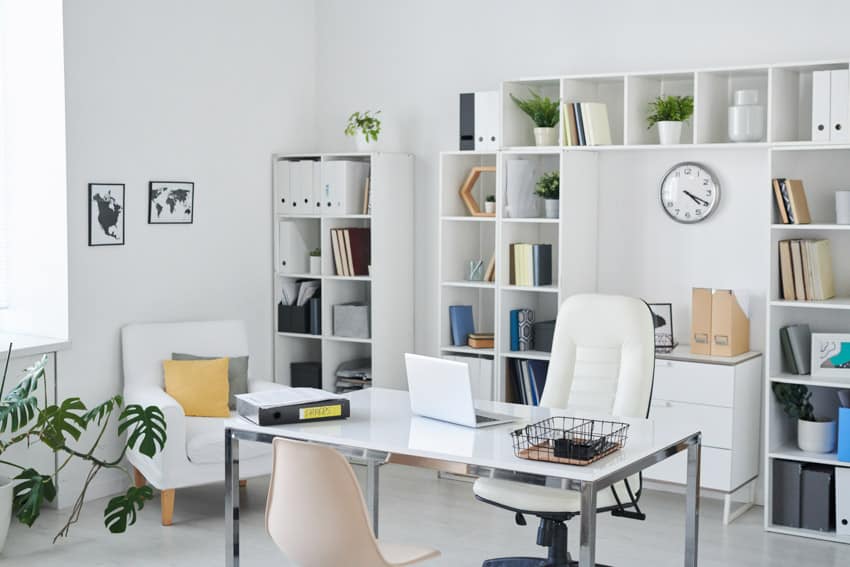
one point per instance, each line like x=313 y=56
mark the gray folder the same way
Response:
x=786 y=493
x=817 y=503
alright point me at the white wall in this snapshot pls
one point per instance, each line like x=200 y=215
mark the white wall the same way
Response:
x=196 y=90
x=411 y=59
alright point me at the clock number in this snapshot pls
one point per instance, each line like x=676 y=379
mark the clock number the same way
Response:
x=677 y=211
x=698 y=212
x=705 y=182
x=687 y=171
x=687 y=215
x=669 y=204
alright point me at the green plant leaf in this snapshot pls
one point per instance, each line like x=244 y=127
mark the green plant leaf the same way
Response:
x=120 y=512
x=146 y=428
x=549 y=185
x=57 y=422
x=30 y=494
x=670 y=108
x=19 y=406
x=100 y=412
x=542 y=110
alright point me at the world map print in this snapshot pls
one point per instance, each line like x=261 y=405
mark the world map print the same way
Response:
x=171 y=202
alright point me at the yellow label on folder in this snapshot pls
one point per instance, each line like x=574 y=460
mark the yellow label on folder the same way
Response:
x=320 y=412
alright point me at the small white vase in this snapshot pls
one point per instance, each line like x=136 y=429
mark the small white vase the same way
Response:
x=315 y=265
x=816 y=436
x=364 y=145
x=746 y=117
x=669 y=132
x=546 y=136
x=552 y=207
x=489 y=207
x=6 y=492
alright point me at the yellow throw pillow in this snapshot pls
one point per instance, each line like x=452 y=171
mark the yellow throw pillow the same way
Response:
x=200 y=386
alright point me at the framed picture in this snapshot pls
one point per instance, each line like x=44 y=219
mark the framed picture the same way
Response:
x=106 y=214
x=171 y=202
x=831 y=355
x=662 y=316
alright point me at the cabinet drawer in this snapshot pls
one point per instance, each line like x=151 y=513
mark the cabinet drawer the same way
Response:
x=711 y=384
x=716 y=469
x=683 y=419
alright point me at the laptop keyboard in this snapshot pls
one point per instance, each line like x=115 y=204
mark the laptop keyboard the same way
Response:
x=484 y=419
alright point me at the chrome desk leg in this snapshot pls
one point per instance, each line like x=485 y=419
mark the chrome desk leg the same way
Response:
x=587 y=545
x=231 y=498
x=372 y=468
x=692 y=502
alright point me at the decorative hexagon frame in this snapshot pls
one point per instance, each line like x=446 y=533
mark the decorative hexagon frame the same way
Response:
x=466 y=190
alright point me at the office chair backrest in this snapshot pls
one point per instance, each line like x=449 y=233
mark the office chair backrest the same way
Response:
x=603 y=356
x=315 y=511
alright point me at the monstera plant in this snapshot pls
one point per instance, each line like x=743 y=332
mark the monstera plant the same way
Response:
x=73 y=432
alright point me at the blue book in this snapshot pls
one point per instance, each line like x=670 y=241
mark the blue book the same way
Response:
x=515 y=329
x=460 y=317
x=538 y=369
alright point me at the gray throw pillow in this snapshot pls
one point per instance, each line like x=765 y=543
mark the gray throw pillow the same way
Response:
x=237 y=372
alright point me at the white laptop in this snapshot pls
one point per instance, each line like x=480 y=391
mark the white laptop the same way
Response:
x=441 y=389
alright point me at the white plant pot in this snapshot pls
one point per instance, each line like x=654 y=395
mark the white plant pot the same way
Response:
x=364 y=145
x=315 y=265
x=489 y=207
x=546 y=136
x=6 y=490
x=816 y=436
x=552 y=208
x=669 y=132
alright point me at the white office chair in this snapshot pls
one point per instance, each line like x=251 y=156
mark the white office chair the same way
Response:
x=194 y=451
x=315 y=512
x=603 y=361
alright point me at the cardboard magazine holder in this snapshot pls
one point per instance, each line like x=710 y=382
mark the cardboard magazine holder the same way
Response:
x=701 y=320
x=730 y=327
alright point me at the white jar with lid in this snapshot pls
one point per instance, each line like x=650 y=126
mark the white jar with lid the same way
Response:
x=746 y=117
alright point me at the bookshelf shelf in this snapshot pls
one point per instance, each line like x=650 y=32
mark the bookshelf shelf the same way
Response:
x=469 y=350
x=464 y=283
x=532 y=288
x=808 y=380
x=791 y=453
x=388 y=291
x=814 y=534
x=818 y=226
x=532 y=220
x=468 y=219
x=840 y=303
x=527 y=354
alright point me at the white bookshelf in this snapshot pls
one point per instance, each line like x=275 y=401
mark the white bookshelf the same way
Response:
x=388 y=290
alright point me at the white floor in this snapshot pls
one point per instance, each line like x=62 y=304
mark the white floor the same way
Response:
x=416 y=507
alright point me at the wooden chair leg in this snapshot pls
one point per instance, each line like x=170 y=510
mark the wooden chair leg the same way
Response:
x=167 y=501
x=138 y=479
x=243 y=483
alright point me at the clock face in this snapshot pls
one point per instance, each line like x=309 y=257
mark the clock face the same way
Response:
x=689 y=192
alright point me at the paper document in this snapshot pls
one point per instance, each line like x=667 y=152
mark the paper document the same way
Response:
x=287 y=397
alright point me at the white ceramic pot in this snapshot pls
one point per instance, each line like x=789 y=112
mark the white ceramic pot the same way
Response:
x=552 y=207
x=315 y=265
x=746 y=117
x=6 y=490
x=546 y=136
x=669 y=132
x=816 y=436
x=364 y=145
x=489 y=207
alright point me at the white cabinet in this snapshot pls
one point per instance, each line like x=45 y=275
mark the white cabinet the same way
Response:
x=721 y=397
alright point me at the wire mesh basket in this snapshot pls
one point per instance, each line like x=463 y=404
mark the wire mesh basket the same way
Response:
x=569 y=440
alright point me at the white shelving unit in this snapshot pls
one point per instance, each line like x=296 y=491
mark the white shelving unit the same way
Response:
x=388 y=290
x=785 y=150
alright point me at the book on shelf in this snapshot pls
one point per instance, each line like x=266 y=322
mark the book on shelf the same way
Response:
x=586 y=124
x=528 y=378
x=805 y=270
x=522 y=329
x=352 y=251
x=791 y=201
x=490 y=273
x=796 y=343
x=462 y=324
x=530 y=264
x=480 y=340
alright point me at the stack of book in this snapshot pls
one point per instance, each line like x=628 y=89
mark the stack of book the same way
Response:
x=796 y=341
x=352 y=250
x=791 y=201
x=586 y=124
x=530 y=264
x=481 y=340
x=528 y=378
x=806 y=269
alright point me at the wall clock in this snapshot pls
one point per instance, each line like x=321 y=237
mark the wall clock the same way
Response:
x=690 y=192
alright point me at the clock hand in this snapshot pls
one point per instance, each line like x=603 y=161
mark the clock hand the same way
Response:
x=696 y=199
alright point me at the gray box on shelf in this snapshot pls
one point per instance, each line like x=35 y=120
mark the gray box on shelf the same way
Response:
x=787 y=476
x=351 y=320
x=544 y=331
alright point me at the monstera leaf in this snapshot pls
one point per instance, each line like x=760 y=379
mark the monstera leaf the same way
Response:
x=58 y=421
x=99 y=412
x=19 y=406
x=30 y=494
x=121 y=510
x=146 y=428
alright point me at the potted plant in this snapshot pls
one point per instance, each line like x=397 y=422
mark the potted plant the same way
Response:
x=490 y=204
x=364 y=127
x=545 y=114
x=27 y=419
x=668 y=113
x=548 y=187
x=316 y=261
x=813 y=435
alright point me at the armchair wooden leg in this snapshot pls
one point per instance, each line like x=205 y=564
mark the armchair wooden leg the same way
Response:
x=138 y=479
x=167 y=501
x=243 y=483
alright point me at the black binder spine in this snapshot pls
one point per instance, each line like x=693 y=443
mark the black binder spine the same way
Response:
x=316 y=411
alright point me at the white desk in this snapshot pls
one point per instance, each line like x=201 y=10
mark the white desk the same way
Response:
x=381 y=425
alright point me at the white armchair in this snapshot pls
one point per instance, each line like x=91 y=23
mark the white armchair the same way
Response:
x=194 y=451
